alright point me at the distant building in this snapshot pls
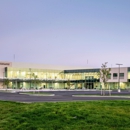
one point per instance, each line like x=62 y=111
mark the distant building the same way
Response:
x=21 y=75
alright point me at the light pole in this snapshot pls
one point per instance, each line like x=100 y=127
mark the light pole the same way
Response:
x=119 y=77
x=30 y=77
x=3 y=75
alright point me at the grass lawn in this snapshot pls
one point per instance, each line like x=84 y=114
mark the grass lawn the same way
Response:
x=92 y=115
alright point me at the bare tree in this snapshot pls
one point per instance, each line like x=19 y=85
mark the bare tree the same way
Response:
x=104 y=76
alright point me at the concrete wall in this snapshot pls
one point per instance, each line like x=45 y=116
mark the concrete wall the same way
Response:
x=116 y=70
x=2 y=70
x=1 y=85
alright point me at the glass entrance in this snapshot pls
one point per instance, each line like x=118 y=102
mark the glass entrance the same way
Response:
x=89 y=85
x=89 y=82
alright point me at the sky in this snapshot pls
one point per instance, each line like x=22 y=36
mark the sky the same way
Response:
x=83 y=33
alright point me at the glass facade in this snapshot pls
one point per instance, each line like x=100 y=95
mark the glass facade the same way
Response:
x=55 y=79
x=84 y=78
x=22 y=77
x=29 y=78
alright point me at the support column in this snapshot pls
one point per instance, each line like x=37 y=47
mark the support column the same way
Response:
x=16 y=84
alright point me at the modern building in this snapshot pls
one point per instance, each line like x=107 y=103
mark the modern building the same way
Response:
x=30 y=76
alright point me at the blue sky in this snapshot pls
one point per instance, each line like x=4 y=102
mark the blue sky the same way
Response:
x=65 y=32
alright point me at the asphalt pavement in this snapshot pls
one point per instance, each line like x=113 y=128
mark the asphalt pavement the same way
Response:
x=19 y=96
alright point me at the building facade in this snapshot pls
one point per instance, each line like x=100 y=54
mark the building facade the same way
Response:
x=33 y=76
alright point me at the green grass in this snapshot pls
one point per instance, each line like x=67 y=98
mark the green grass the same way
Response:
x=93 y=115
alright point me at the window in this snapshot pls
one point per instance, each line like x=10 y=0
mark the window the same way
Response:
x=121 y=75
x=115 y=75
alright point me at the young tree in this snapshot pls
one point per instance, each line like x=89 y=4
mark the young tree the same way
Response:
x=6 y=83
x=35 y=80
x=68 y=84
x=104 y=75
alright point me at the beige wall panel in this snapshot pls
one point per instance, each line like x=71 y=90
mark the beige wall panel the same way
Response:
x=1 y=85
x=2 y=67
